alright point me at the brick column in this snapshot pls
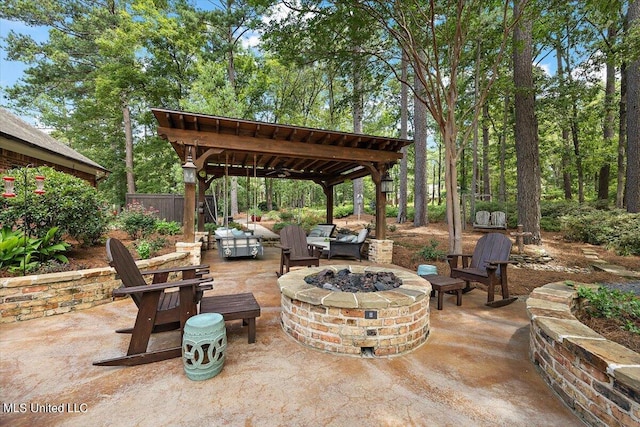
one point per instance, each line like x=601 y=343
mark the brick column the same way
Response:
x=381 y=251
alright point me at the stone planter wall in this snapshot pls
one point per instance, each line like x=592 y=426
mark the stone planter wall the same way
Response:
x=597 y=378
x=30 y=297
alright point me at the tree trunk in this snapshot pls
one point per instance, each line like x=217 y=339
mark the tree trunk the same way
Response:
x=404 y=114
x=609 y=118
x=128 y=141
x=358 y=184
x=565 y=158
x=454 y=218
x=633 y=118
x=526 y=128
x=420 y=194
x=622 y=138
x=486 y=181
x=503 y=150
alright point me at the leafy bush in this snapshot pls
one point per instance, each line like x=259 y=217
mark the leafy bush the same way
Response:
x=69 y=203
x=263 y=206
x=21 y=253
x=145 y=248
x=615 y=229
x=286 y=216
x=168 y=228
x=431 y=252
x=612 y=304
x=137 y=221
x=342 y=211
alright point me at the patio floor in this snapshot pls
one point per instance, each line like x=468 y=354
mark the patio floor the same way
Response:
x=473 y=370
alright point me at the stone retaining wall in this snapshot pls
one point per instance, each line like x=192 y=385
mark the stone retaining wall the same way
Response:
x=597 y=378
x=30 y=297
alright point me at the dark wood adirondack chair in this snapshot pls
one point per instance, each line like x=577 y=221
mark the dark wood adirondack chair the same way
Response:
x=295 y=251
x=487 y=265
x=158 y=310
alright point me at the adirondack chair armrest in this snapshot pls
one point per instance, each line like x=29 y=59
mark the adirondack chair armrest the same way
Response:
x=157 y=287
x=315 y=249
x=452 y=259
x=285 y=249
x=177 y=269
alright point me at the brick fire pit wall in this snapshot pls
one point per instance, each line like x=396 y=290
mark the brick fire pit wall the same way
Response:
x=384 y=323
x=597 y=378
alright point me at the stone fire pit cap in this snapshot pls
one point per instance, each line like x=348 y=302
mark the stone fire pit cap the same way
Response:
x=413 y=288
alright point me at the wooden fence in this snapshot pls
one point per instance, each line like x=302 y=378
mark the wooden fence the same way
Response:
x=170 y=207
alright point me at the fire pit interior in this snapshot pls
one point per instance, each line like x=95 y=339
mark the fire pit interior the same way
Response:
x=347 y=281
x=356 y=310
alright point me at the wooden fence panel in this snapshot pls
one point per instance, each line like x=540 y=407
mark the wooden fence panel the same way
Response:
x=170 y=207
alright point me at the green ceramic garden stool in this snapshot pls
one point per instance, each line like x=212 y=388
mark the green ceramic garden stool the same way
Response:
x=425 y=269
x=204 y=345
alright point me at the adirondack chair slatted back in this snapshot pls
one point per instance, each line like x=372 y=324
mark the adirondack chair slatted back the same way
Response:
x=491 y=247
x=294 y=238
x=120 y=258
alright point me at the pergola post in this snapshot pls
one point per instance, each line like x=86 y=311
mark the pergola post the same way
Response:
x=328 y=193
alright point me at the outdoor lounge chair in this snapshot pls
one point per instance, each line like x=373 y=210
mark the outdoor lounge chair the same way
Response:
x=295 y=251
x=487 y=265
x=158 y=310
x=348 y=245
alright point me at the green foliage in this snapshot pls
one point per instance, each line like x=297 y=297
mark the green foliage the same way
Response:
x=610 y=303
x=343 y=211
x=21 y=253
x=170 y=228
x=264 y=208
x=210 y=227
x=286 y=216
x=614 y=229
x=69 y=203
x=431 y=252
x=145 y=248
x=137 y=220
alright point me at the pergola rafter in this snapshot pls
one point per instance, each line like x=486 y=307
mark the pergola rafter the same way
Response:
x=220 y=144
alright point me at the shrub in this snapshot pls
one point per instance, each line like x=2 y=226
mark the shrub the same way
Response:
x=615 y=229
x=69 y=203
x=612 y=304
x=431 y=252
x=145 y=248
x=286 y=216
x=19 y=252
x=342 y=211
x=263 y=206
x=168 y=228
x=137 y=221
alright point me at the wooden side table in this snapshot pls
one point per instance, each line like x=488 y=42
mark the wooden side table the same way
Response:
x=442 y=284
x=233 y=307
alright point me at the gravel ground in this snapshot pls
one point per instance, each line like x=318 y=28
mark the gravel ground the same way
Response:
x=625 y=287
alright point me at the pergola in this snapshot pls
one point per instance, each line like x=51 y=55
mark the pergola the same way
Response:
x=220 y=146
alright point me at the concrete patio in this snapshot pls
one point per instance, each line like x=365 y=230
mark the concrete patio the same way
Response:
x=473 y=370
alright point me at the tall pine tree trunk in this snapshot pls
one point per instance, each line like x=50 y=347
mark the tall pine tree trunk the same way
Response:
x=526 y=128
x=609 y=118
x=633 y=118
x=128 y=140
x=420 y=194
x=404 y=118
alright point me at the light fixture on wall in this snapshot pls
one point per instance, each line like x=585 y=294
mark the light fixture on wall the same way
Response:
x=189 y=170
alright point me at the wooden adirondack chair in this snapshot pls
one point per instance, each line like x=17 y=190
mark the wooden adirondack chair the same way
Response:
x=295 y=251
x=487 y=265
x=158 y=310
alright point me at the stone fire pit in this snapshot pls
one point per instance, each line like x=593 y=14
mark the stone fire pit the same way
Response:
x=383 y=323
